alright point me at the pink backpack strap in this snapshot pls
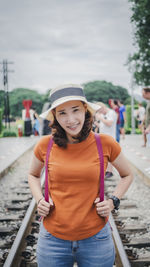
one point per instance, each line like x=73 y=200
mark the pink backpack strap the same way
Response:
x=50 y=144
x=100 y=152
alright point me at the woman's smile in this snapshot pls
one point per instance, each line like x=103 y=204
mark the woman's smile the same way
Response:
x=73 y=127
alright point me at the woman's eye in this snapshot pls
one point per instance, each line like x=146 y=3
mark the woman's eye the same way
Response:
x=61 y=113
x=75 y=110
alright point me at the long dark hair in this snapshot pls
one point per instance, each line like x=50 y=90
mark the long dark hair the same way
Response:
x=59 y=135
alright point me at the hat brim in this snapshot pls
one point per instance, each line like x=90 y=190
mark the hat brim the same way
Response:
x=48 y=115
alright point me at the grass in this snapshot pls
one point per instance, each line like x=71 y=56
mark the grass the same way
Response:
x=13 y=130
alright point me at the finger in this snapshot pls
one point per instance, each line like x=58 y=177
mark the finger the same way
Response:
x=51 y=201
x=43 y=214
x=44 y=203
x=103 y=214
x=99 y=209
x=44 y=209
x=101 y=204
x=97 y=200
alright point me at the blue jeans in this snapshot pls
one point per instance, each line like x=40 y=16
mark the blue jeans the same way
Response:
x=118 y=133
x=95 y=251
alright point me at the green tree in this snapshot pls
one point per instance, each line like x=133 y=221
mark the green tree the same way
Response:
x=95 y=91
x=2 y=99
x=102 y=91
x=18 y=95
x=141 y=58
x=0 y=120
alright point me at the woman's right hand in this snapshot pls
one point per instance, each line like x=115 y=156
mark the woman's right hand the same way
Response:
x=44 y=207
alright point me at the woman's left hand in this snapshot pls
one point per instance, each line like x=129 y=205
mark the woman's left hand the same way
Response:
x=103 y=208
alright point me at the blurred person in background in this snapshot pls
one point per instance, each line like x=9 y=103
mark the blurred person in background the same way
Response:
x=95 y=125
x=122 y=111
x=106 y=122
x=140 y=115
x=146 y=95
x=36 y=124
x=141 y=121
x=114 y=105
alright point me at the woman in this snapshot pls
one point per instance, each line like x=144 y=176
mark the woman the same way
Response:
x=74 y=226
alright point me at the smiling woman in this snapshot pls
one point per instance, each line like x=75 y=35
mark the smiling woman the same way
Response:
x=75 y=220
x=71 y=117
x=69 y=103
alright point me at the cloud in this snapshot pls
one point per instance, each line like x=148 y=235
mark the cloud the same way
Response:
x=52 y=42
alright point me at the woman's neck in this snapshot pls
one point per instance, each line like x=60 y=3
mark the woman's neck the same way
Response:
x=72 y=139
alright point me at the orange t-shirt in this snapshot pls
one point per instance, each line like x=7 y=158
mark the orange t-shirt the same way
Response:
x=74 y=177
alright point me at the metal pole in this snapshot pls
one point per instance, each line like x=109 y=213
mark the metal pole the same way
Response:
x=6 y=91
x=7 y=95
x=132 y=106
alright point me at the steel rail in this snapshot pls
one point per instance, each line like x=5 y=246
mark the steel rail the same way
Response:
x=22 y=230
x=123 y=259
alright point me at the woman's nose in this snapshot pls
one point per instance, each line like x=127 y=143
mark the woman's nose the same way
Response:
x=70 y=118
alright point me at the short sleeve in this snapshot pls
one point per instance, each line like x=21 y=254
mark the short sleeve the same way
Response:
x=115 y=150
x=124 y=109
x=40 y=148
x=111 y=148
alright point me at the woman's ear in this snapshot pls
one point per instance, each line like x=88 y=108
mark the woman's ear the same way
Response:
x=54 y=112
x=53 y=115
x=85 y=106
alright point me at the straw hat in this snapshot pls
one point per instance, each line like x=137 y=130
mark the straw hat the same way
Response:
x=101 y=104
x=65 y=93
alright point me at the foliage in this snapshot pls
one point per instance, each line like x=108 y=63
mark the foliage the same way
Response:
x=13 y=129
x=127 y=101
x=129 y=131
x=18 y=95
x=102 y=91
x=2 y=99
x=0 y=120
x=128 y=116
x=141 y=58
x=95 y=91
x=144 y=104
x=8 y=133
x=138 y=131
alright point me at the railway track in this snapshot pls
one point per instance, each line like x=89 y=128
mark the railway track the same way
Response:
x=132 y=227
x=19 y=223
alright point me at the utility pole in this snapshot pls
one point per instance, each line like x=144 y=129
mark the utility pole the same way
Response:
x=6 y=91
x=132 y=103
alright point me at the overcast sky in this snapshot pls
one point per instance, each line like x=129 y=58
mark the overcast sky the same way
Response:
x=52 y=42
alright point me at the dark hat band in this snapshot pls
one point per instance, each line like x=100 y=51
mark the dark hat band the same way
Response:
x=70 y=91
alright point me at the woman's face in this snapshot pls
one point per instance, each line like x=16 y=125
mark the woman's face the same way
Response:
x=71 y=117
